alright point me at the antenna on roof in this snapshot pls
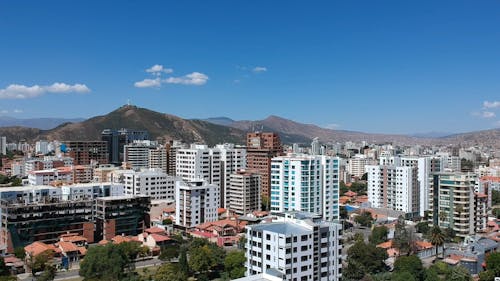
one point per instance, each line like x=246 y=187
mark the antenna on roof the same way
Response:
x=128 y=102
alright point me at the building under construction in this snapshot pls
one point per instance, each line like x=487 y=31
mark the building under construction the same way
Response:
x=121 y=215
x=37 y=213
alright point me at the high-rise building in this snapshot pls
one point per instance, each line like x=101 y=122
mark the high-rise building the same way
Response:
x=232 y=160
x=299 y=246
x=137 y=154
x=356 y=167
x=243 y=192
x=172 y=148
x=196 y=202
x=3 y=145
x=199 y=162
x=307 y=183
x=394 y=187
x=158 y=159
x=261 y=148
x=121 y=215
x=117 y=139
x=456 y=205
x=315 y=147
x=42 y=147
x=86 y=152
x=151 y=182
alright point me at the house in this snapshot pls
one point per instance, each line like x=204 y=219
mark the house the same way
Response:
x=155 y=238
x=472 y=253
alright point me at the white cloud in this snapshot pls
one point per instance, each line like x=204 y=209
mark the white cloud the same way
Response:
x=488 y=114
x=195 y=78
x=259 y=69
x=148 y=83
x=4 y=111
x=491 y=104
x=157 y=69
x=18 y=111
x=16 y=91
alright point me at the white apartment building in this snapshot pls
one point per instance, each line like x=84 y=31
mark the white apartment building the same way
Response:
x=244 y=192
x=196 y=202
x=3 y=145
x=47 y=177
x=308 y=183
x=199 y=162
x=41 y=147
x=47 y=162
x=394 y=187
x=91 y=190
x=232 y=160
x=298 y=245
x=151 y=182
x=356 y=167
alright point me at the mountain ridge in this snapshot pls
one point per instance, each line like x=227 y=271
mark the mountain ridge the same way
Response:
x=167 y=126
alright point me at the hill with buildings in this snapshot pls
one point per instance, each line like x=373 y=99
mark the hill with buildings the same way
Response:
x=223 y=129
x=159 y=125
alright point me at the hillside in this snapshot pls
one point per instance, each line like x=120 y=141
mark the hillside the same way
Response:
x=484 y=137
x=159 y=125
x=292 y=131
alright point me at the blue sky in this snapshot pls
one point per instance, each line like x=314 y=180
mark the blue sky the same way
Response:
x=373 y=66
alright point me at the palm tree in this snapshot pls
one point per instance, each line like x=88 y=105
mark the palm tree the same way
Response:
x=437 y=238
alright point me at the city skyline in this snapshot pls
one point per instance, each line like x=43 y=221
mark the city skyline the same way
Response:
x=389 y=68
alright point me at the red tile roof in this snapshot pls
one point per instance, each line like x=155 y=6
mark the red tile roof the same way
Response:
x=160 y=238
x=67 y=247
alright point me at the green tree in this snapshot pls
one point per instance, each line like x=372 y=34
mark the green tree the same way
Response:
x=364 y=259
x=110 y=262
x=167 y=222
x=431 y=275
x=48 y=274
x=495 y=197
x=487 y=275
x=183 y=261
x=422 y=227
x=364 y=219
x=403 y=276
x=169 y=252
x=402 y=239
x=459 y=273
x=343 y=212
x=41 y=261
x=170 y=272
x=411 y=264
x=234 y=263
x=378 y=235
x=20 y=253
x=437 y=238
x=201 y=259
x=493 y=263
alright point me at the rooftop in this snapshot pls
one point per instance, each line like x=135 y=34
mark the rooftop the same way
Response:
x=286 y=228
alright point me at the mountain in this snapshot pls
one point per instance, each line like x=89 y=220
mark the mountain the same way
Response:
x=485 y=137
x=39 y=123
x=224 y=121
x=291 y=131
x=166 y=126
x=430 y=135
x=159 y=125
